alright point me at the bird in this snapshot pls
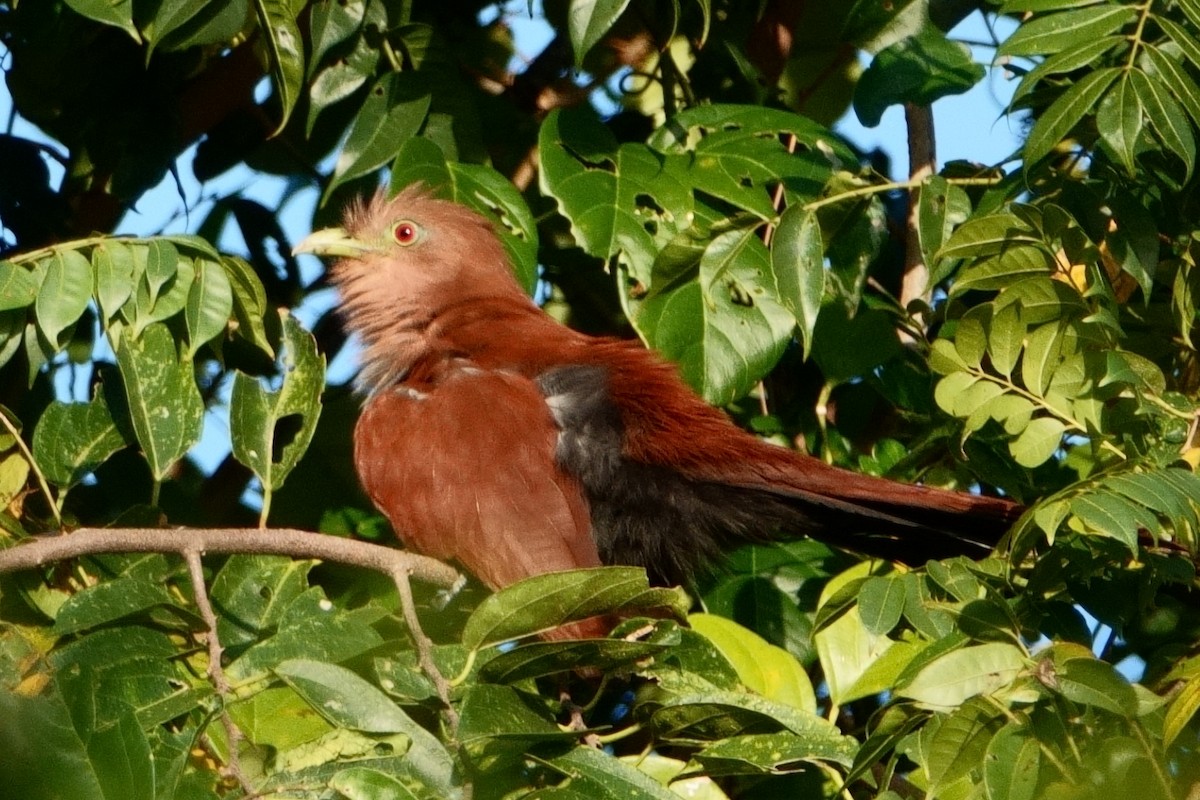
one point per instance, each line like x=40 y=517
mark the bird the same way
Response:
x=497 y=437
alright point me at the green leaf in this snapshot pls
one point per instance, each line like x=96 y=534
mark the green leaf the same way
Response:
x=537 y=659
x=117 y=13
x=209 y=304
x=64 y=293
x=285 y=53
x=249 y=303
x=964 y=673
x=1167 y=118
x=18 y=285
x=881 y=603
x=547 y=601
x=1119 y=120
x=1181 y=711
x=254 y=592
x=363 y=783
x=798 y=263
x=330 y=23
x=1180 y=36
x=950 y=389
x=738 y=154
x=588 y=21
x=919 y=69
x=845 y=647
x=113 y=269
x=392 y=113
x=1178 y=81
x=120 y=756
x=725 y=330
x=1042 y=300
x=970 y=337
x=1108 y=515
x=1053 y=33
x=595 y=774
x=1057 y=121
x=1077 y=57
x=761 y=666
x=987 y=234
x=1009 y=6
x=941 y=207
x=716 y=715
x=614 y=195
x=272 y=429
x=1093 y=682
x=168 y=18
x=162 y=262
x=1001 y=271
x=1038 y=442
x=482 y=188
x=775 y=753
x=501 y=712
x=310 y=627
x=348 y=701
x=165 y=406
x=73 y=439
x=1006 y=337
x=109 y=601
x=278 y=717
x=1011 y=764
x=956 y=747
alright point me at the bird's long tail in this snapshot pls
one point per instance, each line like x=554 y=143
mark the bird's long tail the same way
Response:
x=879 y=517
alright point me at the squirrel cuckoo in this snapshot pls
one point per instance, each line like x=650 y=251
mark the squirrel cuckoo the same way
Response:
x=495 y=436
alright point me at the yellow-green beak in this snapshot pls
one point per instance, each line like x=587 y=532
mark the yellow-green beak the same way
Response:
x=334 y=242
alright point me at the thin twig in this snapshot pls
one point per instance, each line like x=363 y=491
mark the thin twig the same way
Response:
x=233 y=734
x=33 y=467
x=424 y=648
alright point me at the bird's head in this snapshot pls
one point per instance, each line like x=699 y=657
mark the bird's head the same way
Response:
x=402 y=260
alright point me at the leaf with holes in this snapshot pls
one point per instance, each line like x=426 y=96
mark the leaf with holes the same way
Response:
x=622 y=200
x=272 y=429
x=726 y=330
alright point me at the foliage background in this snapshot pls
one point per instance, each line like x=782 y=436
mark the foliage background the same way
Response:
x=1026 y=328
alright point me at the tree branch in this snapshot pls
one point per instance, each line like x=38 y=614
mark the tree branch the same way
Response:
x=922 y=162
x=246 y=541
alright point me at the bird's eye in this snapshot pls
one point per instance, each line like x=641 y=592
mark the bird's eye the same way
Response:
x=405 y=232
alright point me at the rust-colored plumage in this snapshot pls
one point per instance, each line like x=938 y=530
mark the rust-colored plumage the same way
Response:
x=497 y=437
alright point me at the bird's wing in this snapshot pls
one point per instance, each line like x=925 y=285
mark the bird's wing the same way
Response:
x=464 y=467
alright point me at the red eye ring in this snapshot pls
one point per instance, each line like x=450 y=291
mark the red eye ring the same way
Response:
x=405 y=232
